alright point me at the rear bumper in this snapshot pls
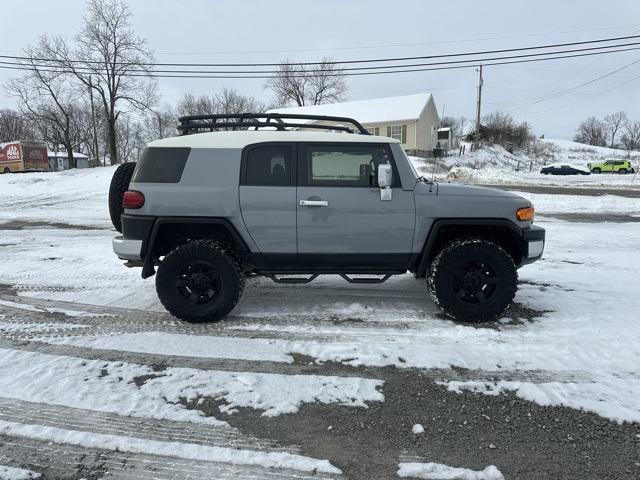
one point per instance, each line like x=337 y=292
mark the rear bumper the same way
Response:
x=533 y=240
x=126 y=248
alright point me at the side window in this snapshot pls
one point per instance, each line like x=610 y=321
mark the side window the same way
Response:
x=347 y=165
x=268 y=165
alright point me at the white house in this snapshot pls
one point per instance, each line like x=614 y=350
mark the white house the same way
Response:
x=412 y=119
x=60 y=161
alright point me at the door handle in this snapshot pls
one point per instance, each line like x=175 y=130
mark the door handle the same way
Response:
x=314 y=203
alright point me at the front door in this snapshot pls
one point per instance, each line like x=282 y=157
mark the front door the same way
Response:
x=341 y=216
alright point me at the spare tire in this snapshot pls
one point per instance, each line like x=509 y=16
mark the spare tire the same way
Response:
x=119 y=184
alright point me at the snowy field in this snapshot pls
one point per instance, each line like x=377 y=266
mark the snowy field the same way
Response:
x=493 y=165
x=81 y=333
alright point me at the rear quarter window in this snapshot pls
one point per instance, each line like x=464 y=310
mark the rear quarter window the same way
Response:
x=161 y=165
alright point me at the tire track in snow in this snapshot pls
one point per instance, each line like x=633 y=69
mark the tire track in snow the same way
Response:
x=69 y=418
x=60 y=461
x=302 y=368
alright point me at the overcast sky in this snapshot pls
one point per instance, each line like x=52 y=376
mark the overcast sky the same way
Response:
x=305 y=30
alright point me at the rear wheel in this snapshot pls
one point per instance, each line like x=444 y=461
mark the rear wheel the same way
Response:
x=622 y=171
x=596 y=170
x=6 y=170
x=119 y=184
x=200 y=281
x=473 y=280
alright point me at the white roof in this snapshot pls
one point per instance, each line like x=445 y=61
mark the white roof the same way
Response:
x=374 y=110
x=242 y=138
x=64 y=154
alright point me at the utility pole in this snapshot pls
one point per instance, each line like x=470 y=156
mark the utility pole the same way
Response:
x=93 y=121
x=480 y=81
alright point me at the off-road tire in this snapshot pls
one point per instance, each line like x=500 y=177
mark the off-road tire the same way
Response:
x=227 y=267
x=596 y=170
x=119 y=184
x=442 y=279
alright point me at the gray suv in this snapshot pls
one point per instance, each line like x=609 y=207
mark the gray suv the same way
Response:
x=291 y=197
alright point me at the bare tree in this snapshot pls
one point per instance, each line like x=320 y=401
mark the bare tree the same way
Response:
x=15 y=126
x=189 y=104
x=228 y=101
x=592 y=132
x=110 y=59
x=160 y=123
x=50 y=101
x=631 y=136
x=614 y=123
x=308 y=84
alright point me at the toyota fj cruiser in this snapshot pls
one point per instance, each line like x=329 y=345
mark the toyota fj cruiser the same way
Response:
x=291 y=197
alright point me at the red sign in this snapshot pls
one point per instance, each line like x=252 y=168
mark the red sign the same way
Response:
x=10 y=152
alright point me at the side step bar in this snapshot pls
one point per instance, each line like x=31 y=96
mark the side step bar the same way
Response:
x=293 y=278
x=382 y=279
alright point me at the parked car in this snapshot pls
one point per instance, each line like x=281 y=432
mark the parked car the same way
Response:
x=209 y=209
x=612 y=166
x=563 y=169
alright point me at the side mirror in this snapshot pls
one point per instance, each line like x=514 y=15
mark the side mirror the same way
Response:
x=385 y=179
x=385 y=175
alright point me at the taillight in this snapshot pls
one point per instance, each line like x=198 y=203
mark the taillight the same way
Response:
x=132 y=199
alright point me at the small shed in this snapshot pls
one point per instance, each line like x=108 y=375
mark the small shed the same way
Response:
x=60 y=160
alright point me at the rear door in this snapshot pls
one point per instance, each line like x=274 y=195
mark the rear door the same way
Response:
x=341 y=216
x=268 y=197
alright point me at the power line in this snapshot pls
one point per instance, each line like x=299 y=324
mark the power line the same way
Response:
x=474 y=61
x=599 y=94
x=553 y=95
x=344 y=62
x=399 y=68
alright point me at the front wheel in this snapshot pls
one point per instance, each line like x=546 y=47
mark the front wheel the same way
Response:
x=596 y=170
x=622 y=171
x=199 y=281
x=6 y=170
x=473 y=280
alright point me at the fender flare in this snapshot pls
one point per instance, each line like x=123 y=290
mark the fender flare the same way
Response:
x=438 y=224
x=147 y=266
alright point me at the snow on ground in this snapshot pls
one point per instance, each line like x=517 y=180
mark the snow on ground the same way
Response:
x=437 y=471
x=589 y=337
x=77 y=197
x=10 y=473
x=181 y=450
x=111 y=387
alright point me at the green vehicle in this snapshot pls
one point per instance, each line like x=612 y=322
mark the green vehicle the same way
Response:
x=612 y=166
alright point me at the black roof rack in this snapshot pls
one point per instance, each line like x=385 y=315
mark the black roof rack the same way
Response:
x=242 y=121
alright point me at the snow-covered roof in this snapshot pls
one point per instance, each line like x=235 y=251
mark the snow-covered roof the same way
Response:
x=242 y=138
x=64 y=154
x=374 y=110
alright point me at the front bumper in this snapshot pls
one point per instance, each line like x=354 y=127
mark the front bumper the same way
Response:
x=533 y=240
x=127 y=249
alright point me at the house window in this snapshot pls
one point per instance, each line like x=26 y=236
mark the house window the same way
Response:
x=398 y=132
x=374 y=130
